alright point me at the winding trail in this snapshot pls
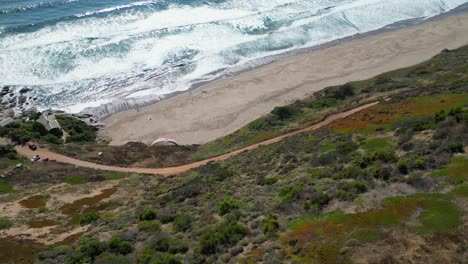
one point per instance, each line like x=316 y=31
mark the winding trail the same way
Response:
x=43 y=152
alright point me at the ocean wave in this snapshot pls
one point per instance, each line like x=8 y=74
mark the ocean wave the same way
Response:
x=19 y=9
x=146 y=53
x=117 y=8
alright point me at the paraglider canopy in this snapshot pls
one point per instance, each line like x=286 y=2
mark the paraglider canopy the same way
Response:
x=164 y=140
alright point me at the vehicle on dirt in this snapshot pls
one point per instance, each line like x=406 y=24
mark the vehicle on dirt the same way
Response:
x=35 y=158
x=32 y=146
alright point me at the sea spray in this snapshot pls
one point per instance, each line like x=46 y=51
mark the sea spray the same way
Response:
x=76 y=54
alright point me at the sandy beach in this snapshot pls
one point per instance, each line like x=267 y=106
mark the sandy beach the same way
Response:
x=226 y=105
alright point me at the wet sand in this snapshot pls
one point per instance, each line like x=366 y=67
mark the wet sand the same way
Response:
x=225 y=105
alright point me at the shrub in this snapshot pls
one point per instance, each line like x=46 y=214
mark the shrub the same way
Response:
x=226 y=233
x=226 y=204
x=455 y=147
x=170 y=245
x=50 y=138
x=270 y=224
x=91 y=247
x=288 y=194
x=323 y=102
x=147 y=215
x=166 y=259
x=321 y=199
x=112 y=259
x=384 y=155
x=8 y=152
x=182 y=222
x=282 y=112
x=355 y=187
x=342 y=92
x=402 y=166
x=346 y=147
x=119 y=245
x=77 y=179
x=214 y=171
x=4 y=223
x=78 y=130
x=149 y=226
x=89 y=218
x=209 y=243
x=258 y=124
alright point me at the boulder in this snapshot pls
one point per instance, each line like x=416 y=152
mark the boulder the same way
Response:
x=22 y=99
x=24 y=90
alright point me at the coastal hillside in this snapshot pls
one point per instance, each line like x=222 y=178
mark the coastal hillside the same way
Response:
x=386 y=184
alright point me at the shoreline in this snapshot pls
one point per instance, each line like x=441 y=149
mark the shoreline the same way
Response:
x=106 y=110
x=224 y=105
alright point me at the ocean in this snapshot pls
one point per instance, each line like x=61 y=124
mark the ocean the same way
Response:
x=76 y=54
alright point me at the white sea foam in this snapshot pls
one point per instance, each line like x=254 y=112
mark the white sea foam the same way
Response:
x=147 y=53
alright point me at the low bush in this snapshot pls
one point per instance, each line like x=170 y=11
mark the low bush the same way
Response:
x=270 y=225
x=7 y=151
x=78 y=131
x=169 y=245
x=112 y=259
x=4 y=223
x=89 y=218
x=227 y=204
x=225 y=233
x=91 y=247
x=182 y=222
x=147 y=215
x=118 y=245
x=149 y=226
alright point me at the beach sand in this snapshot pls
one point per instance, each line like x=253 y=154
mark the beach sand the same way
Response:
x=225 y=105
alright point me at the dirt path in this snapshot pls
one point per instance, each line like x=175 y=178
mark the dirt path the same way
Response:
x=26 y=152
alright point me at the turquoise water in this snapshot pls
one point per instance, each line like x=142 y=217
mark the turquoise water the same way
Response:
x=79 y=53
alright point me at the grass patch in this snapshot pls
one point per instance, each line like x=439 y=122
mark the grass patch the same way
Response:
x=6 y=188
x=386 y=114
x=367 y=235
x=73 y=180
x=113 y=176
x=328 y=146
x=441 y=216
x=461 y=190
x=4 y=223
x=456 y=171
x=314 y=172
x=373 y=144
x=322 y=237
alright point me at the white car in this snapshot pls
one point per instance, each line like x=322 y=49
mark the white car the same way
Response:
x=36 y=158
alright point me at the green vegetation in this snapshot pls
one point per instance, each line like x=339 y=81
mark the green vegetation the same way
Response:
x=226 y=233
x=24 y=131
x=373 y=144
x=270 y=225
x=5 y=188
x=4 y=223
x=119 y=245
x=456 y=171
x=76 y=179
x=149 y=226
x=367 y=235
x=227 y=204
x=113 y=176
x=9 y=152
x=440 y=216
x=89 y=218
x=78 y=131
x=147 y=215
x=113 y=259
x=183 y=222
x=334 y=195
